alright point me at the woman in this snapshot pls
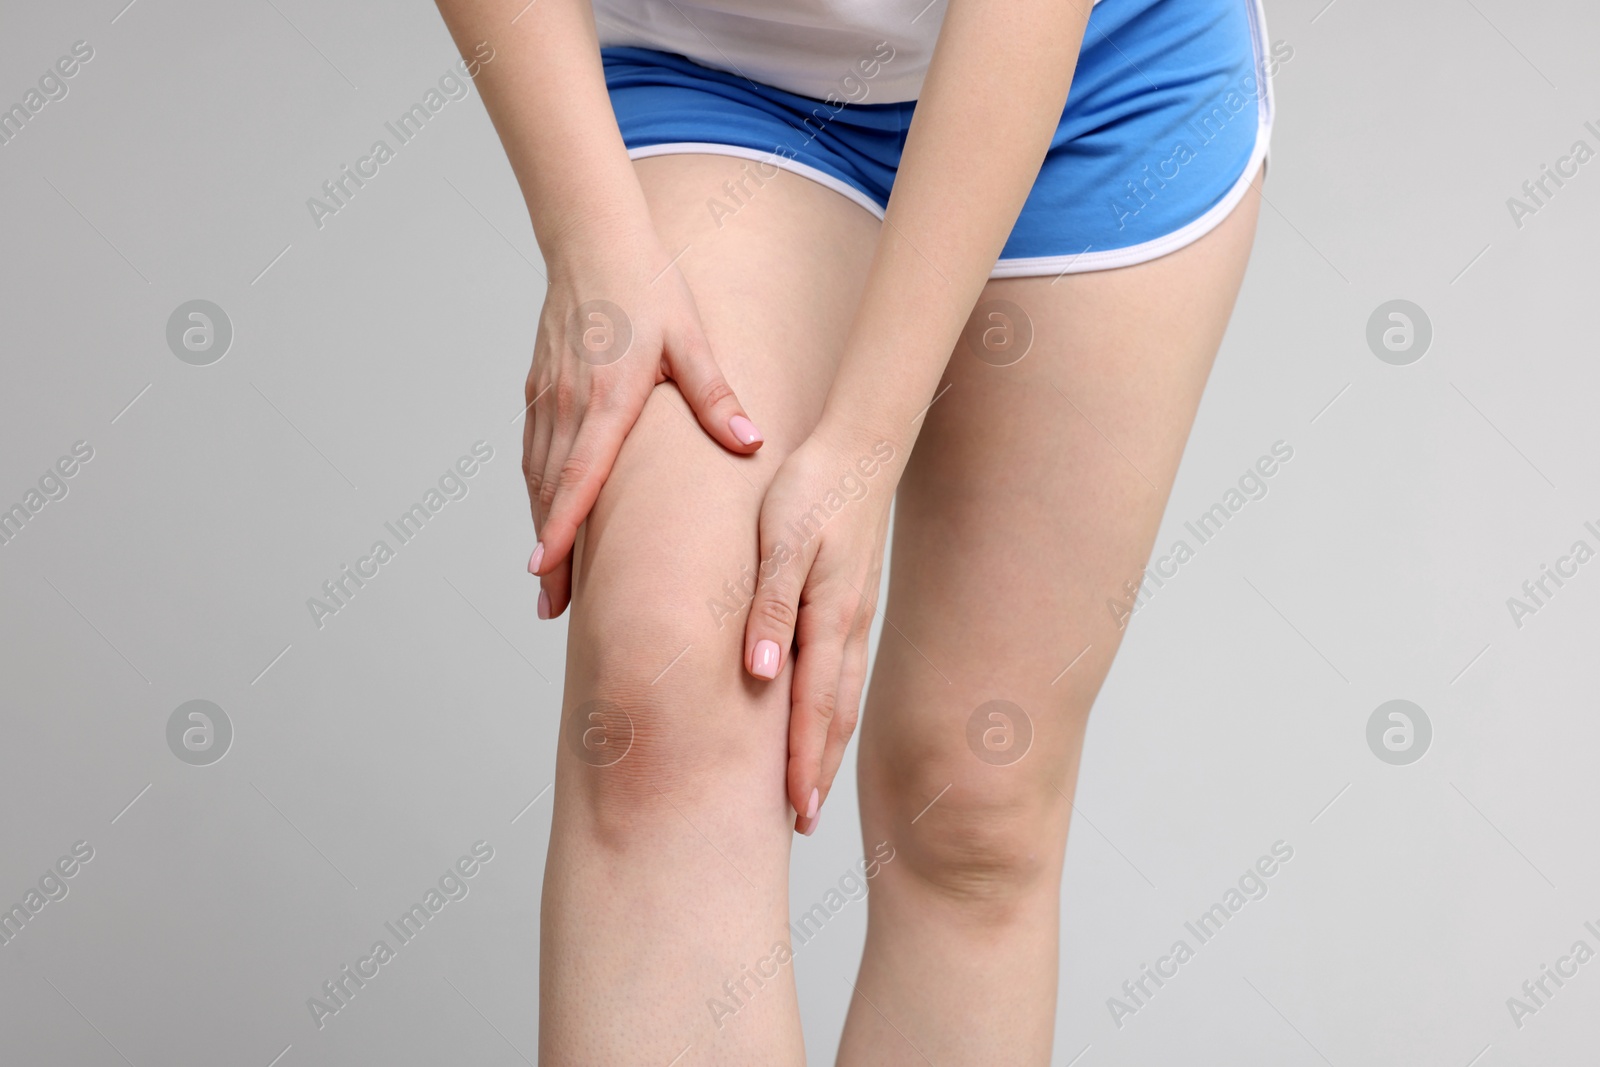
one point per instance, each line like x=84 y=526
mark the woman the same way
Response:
x=745 y=227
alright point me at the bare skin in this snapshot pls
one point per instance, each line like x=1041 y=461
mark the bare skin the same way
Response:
x=1015 y=523
x=975 y=144
x=668 y=870
x=689 y=747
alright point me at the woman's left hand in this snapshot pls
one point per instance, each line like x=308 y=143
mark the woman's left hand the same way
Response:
x=822 y=529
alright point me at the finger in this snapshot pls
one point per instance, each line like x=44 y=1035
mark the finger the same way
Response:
x=852 y=680
x=555 y=590
x=769 y=631
x=555 y=578
x=542 y=418
x=853 y=677
x=824 y=624
x=580 y=472
x=821 y=707
x=692 y=366
x=565 y=403
x=532 y=461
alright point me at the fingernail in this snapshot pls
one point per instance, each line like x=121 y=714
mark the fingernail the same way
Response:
x=766 y=660
x=811 y=808
x=744 y=430
x=811 y=827
x=544 y=604
x=536 y=559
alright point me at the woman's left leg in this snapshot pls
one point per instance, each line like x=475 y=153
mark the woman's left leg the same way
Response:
x=1033 y=495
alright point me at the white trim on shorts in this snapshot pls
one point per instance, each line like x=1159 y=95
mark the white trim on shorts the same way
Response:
x=774 y=159
x=1036 y=266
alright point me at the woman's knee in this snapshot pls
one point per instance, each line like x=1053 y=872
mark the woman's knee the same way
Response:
x=979 y=805
x=660 y=726
x=657 y=703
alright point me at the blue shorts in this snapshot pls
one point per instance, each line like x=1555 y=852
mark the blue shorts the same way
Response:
x=1166 y=122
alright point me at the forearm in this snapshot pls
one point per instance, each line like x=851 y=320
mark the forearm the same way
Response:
x=545 y=91
x=990 y=104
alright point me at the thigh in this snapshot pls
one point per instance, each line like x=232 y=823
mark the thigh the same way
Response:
x=1033 y=494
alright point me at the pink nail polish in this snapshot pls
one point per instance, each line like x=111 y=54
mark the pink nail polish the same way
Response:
x=811 y=827
x=766 y=660
x=544 y=604
x=536 y=559
x=744 y=430
x=811 y=808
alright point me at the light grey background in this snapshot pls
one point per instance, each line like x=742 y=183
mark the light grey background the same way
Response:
x=370 y=754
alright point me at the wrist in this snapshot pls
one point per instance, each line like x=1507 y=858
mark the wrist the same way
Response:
x=584 y=229
x=866 y=439
x=610 y=246
x=881 y=392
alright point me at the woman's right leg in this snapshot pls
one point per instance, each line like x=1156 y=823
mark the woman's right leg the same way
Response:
x=666 y=887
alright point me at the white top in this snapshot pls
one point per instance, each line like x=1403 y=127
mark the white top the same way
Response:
x=854 y=51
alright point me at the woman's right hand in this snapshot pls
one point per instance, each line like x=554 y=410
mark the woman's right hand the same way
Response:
x=618 y=320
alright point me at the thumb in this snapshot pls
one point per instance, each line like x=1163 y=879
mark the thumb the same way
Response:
x=781 y=576
x=689 y=362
